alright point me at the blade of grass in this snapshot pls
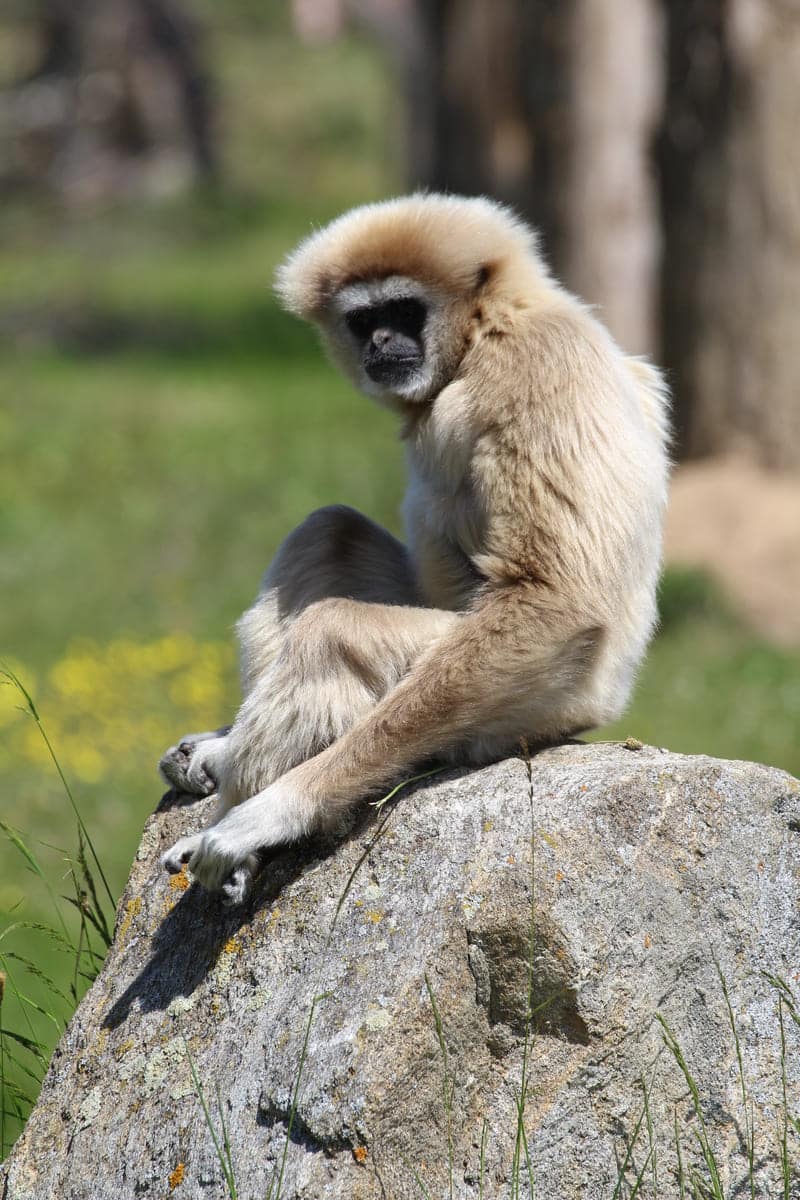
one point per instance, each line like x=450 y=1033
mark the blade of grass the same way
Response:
x=786 y=992
x=31 y=709
x=29 y=1002
x=33 y=864
x=3 y=1085
x=521 y=1140
x=226 y=1142
x=483 y=1158
x=674 y=1048
x=629 y=1149
x=522 y=1143
x=784 y=1131
x=679 y=1155
x=651 y=1143
x=296 y=1091
x=96 y=907
x=749 y=1129
x=447 y=1083
x=223 y=1162
x=413 y=1171
x=33 y=969
x=640 y=1176
x=31 y=1042
x=379 y=805
x=406 y=783
x=61 y=943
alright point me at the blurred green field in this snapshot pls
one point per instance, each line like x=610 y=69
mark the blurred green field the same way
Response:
x=163 y=425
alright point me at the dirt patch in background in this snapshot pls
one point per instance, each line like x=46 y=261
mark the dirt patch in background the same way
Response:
x=741 y=522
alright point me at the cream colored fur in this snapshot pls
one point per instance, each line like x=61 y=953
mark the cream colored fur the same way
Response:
x=526 y=597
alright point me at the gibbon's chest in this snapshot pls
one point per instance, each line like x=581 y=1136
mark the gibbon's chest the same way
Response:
x=439 y=532
x=441 y=510
x=442 y=444
x=440 y=454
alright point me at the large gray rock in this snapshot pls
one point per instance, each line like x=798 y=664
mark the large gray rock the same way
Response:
x=647 y=867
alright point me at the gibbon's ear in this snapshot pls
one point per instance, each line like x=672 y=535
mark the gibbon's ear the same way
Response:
x=484 y=275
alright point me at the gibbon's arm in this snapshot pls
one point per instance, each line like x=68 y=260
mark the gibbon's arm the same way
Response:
x=509 y=667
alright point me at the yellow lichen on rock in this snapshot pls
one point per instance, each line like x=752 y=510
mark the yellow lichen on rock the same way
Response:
x=132 y=910
x=177 y=1175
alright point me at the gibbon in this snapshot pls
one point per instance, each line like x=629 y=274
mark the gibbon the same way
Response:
x=524 y=599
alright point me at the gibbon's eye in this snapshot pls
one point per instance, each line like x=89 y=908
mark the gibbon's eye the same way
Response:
x=360 y=322
x=404 y=316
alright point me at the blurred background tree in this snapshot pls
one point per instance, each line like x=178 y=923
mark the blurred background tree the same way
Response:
x=729 y=160
x=163 y=423
x=115 y=101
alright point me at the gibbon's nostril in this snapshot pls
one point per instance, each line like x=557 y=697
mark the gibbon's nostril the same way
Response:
x=381 y=338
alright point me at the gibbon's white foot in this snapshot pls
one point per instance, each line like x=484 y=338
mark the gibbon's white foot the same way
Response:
x=175 y=765
x=178 y=856
x=235 y=887
x=227 y=852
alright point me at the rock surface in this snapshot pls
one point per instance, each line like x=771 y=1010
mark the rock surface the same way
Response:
x=647 y=868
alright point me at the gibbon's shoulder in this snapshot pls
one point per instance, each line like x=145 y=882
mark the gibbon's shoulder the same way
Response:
x=448 y=243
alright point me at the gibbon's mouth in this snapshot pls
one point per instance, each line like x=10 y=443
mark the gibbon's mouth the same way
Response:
x=391 y=370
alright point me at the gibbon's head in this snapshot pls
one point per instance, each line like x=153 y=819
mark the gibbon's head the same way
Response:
x=394 y=287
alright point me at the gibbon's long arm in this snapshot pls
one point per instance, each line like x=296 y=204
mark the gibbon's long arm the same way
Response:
x=496 y=669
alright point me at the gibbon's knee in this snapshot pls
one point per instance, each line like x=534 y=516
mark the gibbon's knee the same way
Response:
x=372 y=645
x=330 y=640
x=335 y=553
x=320 y=683
x=338 y=552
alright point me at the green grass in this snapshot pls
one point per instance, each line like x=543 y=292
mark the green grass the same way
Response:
x=710 y=686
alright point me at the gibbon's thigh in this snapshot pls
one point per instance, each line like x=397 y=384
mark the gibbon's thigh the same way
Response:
x=335 y=553
x=338 y=659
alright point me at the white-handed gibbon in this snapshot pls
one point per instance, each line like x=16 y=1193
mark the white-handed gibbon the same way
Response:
x=523 y=601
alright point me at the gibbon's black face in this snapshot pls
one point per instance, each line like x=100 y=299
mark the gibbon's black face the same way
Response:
x=389 y=334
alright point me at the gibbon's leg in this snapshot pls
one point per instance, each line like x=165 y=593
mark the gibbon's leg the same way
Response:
x=339 y=657
x=335 y=552
x=314 y=658
x=510 y=667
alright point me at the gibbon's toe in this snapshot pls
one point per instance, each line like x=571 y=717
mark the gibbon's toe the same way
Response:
x=237 y=886
x=175 y=859
x=173 y=765
x=199 y=779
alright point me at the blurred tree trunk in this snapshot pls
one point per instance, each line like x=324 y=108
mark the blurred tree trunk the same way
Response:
x=551 y=106
x=488 y=108
x=730 y=169
x=118 y=101
x=616 y=85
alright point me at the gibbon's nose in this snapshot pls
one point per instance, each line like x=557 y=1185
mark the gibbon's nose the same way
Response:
x=381 y=338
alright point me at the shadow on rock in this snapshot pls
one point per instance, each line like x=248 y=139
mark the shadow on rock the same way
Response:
x=191 y=936
x=189 y=940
